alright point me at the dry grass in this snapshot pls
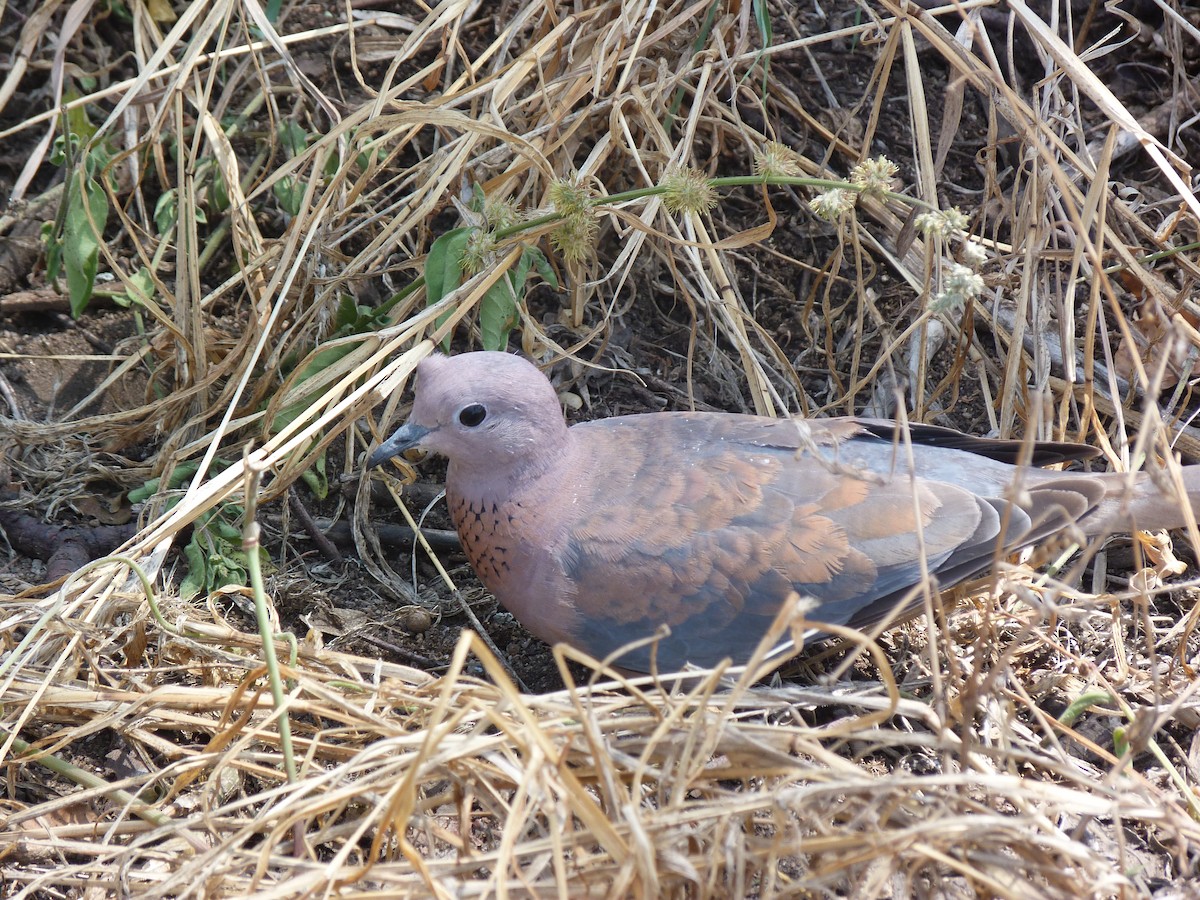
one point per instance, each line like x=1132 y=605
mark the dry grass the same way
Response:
x=967 y=772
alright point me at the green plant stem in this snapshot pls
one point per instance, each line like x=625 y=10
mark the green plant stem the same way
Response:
x=87 y=780
x=728 y=181
x=386 y=306
x=250 y=544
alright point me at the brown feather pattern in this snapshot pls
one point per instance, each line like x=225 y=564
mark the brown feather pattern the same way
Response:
x=599 y=534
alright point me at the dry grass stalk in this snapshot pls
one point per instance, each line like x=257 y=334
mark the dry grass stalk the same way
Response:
x=458 y=785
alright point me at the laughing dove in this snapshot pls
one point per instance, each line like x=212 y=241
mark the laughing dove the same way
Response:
x=598 y=534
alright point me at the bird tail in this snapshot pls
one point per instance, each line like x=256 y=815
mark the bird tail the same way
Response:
x=1146 y=501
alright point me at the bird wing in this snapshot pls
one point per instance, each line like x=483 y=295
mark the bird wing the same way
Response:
x=707 y=523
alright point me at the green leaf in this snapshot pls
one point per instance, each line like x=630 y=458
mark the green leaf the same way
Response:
x=166 y=211
x=224 y=531
x=96 y=160
x=499 y=309
x=293 y=138
x=121 y=11
x=316 y=479
x=349 y=315
x=367 y=154
x=290 y=194
x=81 y=240
x=141 y=288
x=181 y=473
x=218 y=191
x=65 y=147
x=498 y=314
x=1083 y=703
x=79 y=124
x=53 y=244
x=443 y=265
x=194 y=582
x=544 y=269
x=320 y=361
x=443 y=268
x=762 y=18
x=215 y=556
x=331 y=165
x=478 y=199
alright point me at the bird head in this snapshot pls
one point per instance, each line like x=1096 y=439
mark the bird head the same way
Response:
x=482 y=411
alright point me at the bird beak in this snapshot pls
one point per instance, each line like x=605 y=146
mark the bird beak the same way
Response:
x=409 y=435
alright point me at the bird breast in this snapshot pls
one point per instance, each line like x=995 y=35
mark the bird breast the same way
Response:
x=511 y=539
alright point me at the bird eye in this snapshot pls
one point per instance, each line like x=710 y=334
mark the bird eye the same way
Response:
x=472 y=415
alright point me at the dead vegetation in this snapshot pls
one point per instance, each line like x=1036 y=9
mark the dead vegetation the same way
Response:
x=270 y=192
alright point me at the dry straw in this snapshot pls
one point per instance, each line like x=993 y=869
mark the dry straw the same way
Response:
x=1041 y=742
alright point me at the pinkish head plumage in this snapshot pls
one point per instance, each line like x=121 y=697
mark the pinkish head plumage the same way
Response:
x=482 y=411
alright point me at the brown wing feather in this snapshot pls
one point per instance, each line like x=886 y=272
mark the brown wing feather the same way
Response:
x=737 y=520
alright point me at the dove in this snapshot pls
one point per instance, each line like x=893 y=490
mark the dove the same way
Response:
x=599 y=534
